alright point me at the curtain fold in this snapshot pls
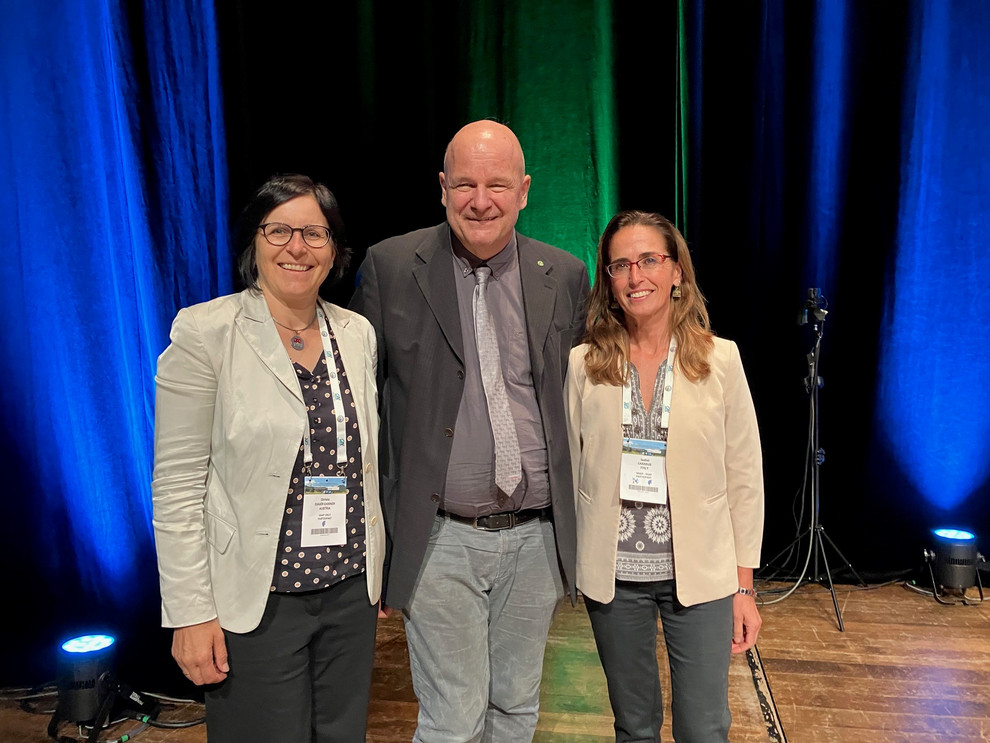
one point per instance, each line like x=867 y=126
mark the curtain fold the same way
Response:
x=546 y=70
x=117 y=211
x=933 y=393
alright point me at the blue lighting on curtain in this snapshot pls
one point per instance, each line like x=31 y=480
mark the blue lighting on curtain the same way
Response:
x=114 y=210
x=934 y=393
x=768 y=154
x=828 y=146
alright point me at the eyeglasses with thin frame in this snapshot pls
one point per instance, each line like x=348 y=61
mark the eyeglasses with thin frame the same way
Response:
x=647 y=264
x=279 y=234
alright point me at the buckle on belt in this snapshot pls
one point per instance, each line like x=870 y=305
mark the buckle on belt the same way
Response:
x=495 y=521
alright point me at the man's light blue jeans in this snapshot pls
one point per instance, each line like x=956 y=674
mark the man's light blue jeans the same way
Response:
x=476 y=629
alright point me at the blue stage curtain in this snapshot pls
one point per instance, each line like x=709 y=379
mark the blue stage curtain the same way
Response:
x=828 y=155
x=114 y=214
x=934 y=397
x=844 y=145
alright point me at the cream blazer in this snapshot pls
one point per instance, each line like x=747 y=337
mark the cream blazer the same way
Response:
x=714 y=478
x=229 y=419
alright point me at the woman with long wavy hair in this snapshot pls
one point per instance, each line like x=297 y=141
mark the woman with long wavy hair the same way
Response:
x=669 y=484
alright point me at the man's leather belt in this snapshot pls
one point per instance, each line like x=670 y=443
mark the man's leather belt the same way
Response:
x=499 y=521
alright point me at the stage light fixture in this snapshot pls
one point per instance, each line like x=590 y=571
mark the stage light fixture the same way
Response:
x=952 y=565
x=82 y=663
x=90 y=694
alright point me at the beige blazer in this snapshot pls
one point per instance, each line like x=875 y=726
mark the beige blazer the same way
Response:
x=229 y=419
x=714 y=478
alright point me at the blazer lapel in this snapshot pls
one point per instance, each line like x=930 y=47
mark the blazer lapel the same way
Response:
x=255 y=324
x=686 y=396
x=348 y=343
x=435 y=277
x=539 y=291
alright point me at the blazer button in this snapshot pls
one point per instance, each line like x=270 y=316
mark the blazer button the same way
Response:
x=367 y=467
x=448 y=432
x=435 y=497
x=460 y=374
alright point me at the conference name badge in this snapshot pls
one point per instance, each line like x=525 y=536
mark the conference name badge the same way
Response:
x=324 y=517
x=643 y=475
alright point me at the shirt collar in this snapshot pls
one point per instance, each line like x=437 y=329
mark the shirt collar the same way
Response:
x=467 y=261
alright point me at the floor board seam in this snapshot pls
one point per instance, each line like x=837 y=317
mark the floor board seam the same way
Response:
x=771 y=717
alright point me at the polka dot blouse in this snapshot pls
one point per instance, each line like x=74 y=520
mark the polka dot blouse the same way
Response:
x=298 y=568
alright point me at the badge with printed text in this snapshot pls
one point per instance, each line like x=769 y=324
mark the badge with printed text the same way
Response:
x=643 y=475
x=324 y=516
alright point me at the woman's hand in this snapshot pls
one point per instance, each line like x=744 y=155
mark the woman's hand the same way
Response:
x=746 y=622
x=201 y=652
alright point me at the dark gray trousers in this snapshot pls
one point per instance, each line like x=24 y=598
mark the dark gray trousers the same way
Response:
x=304 y=674
x=698 y=642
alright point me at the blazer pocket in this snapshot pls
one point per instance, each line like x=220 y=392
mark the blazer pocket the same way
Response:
x=218 y=532
x=584 y=496
x=720 y=495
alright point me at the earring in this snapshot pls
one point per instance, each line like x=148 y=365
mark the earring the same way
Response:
x=676 y=294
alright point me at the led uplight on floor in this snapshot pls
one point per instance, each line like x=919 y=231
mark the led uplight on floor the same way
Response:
x=82 y=663
x=952 y=565
x=90 y=694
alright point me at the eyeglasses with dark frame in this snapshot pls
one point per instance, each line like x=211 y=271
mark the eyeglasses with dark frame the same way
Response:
x=279 y=234
x=647 y=264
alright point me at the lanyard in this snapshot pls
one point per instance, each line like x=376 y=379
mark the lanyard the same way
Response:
x=340 y=427
x=668 y=384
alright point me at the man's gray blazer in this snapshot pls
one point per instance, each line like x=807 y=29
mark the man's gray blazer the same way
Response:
x=406 y=289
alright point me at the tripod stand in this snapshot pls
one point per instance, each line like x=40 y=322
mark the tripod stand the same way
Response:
x=815 y=313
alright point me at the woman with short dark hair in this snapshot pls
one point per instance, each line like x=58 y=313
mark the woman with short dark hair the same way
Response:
x=267 y=520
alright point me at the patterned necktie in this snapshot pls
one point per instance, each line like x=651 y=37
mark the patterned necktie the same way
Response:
x=508 y=470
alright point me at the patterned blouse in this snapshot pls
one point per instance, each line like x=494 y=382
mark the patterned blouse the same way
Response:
x=645 y=552
x=298 y=568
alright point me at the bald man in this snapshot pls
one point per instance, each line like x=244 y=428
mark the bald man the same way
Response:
x=481 y=545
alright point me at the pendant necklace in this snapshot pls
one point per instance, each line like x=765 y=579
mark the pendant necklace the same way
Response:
x=296 y=340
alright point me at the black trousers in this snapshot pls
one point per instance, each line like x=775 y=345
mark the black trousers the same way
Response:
x=304 y=674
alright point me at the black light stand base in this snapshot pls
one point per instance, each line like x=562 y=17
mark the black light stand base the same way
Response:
x=962 y=600
x=819 y=538
x=115 y=696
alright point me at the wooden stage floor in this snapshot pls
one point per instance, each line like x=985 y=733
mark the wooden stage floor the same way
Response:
x=906 y=669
